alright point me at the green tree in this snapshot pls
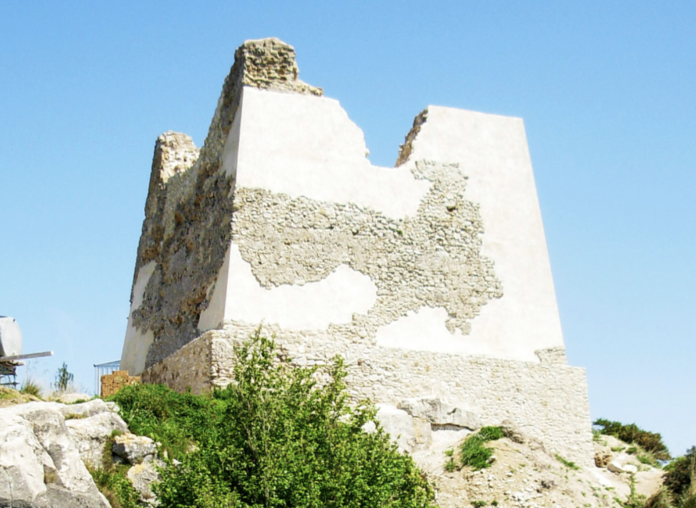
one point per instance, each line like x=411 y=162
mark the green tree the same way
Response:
x=63 y=378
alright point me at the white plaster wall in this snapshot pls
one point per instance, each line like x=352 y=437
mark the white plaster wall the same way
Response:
x=492 y=151
x=303 y=145
x=137 y=343
x=312 y=306
x=213 y=315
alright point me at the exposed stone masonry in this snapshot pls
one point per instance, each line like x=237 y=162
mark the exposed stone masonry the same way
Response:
x=406 y=149
x=548 y=399
x=432 y=259
x=270 y=64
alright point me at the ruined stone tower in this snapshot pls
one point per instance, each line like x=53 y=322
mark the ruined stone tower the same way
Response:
x=431 y=279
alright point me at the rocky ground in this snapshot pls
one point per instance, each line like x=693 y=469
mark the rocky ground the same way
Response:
x=524 y=475
x=10 y=397
x=46 y=449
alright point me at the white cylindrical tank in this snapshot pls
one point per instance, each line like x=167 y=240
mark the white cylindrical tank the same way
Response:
x=10 y=337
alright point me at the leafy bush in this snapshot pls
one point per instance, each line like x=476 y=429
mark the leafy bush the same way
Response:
x=176 y=420
x=679 y=473
x=474 y=453
x=116 y=487
x=649 y=441
x=276 y=436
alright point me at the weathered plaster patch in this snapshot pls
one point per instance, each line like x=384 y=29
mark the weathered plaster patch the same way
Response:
x=137 y=342
x=492 y=151
x=311 y=306
x=302 y=145
x=409 y=331
x=214 y=313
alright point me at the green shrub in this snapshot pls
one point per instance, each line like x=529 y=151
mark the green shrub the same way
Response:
x=116 y=487
x=491 y=433
x=648 y=459
x=112 y=480
x=275 y=436
x=659 y=499
x=174 y=419
x=31 y=387
x=649 y=441
x=687 y=501
x=567 y=463
x=679 y=473
x=474 y=453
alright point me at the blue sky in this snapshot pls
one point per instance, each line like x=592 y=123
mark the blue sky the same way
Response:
x=606 y=90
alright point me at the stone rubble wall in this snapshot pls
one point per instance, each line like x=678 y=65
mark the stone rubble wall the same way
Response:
x=189 y=367
x=186 y=230
x=111 y=383
x=406 y=149
x=547 y=400
x=430 y=260
x=270 y=64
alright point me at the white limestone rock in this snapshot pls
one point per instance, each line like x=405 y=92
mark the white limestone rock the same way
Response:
x=615 y=467
x=112 y=406
x=40 y=466
x=83 y=409
x=440 y=413
x=512 y=432
x=134 y=449
x=398 y=424
x=90 y=435
x=72 y=398
x=141 y=477
x=407 y=432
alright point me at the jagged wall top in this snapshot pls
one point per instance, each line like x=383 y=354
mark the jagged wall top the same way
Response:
x=207 y=225
x=270 y=64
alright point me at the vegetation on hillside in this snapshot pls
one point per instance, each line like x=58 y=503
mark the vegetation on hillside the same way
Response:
x=473 y=453
x=112 y=481
x=631 y=433
x=278 y=435
x=679 y=481
x=680 y=476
